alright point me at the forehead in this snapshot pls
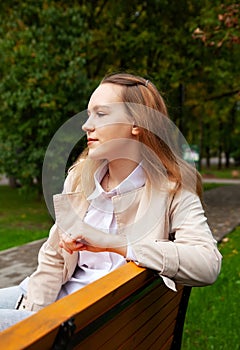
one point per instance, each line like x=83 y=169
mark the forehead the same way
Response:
x=105 y=94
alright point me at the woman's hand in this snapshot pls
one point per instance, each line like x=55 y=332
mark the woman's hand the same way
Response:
x=93 y=240
x=71 y=244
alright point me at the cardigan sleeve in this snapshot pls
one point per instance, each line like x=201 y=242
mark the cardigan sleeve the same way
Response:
x=192 y=257
x=45 y=283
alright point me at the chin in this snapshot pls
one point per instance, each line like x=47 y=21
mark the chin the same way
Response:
x=100 y=152
x=94 y=154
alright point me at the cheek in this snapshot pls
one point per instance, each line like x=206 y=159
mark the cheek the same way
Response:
x=118 y=131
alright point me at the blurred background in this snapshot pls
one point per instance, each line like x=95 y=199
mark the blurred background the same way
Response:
x=54 y=53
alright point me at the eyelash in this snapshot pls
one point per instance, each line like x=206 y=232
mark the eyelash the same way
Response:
x=97 y=114
x=100 y=114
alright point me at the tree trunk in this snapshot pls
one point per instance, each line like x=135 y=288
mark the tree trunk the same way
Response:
x=227 y=156
x=208 y=161
x=220 y=157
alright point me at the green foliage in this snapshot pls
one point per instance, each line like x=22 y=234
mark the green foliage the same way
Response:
x=216 y=33
x=42 y=81
x=53 y=53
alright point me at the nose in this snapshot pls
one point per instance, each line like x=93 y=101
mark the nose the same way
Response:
x=88 y=125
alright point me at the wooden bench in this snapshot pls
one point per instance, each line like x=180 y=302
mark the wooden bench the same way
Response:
x=130 y=308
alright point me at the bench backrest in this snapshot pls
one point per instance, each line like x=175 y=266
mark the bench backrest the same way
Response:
x=130 y=308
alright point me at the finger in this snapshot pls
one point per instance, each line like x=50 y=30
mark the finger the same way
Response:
x=65 y=247
x=73 y=245
x=76 y=246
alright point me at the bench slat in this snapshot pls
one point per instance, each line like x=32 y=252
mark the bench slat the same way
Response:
x=147 y=333
x=165 y=342
x=124 y=314
x=156 y=304
x=95 y=299
x=130 y=308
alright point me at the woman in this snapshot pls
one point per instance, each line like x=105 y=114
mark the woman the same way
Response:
x=129 y=196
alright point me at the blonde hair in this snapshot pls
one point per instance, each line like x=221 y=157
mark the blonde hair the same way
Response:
x=160 y=151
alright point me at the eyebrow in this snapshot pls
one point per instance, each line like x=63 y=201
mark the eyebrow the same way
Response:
x=100 y=106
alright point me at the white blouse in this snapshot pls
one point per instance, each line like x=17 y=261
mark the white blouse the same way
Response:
x=100 y=214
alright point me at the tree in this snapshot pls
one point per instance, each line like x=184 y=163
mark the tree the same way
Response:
x=43 y=80
x=53 y=53
x=218 y=31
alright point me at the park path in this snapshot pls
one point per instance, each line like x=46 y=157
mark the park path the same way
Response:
x=222 y=206
x=222 y=209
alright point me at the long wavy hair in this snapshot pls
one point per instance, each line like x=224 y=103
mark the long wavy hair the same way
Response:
x=160 y=139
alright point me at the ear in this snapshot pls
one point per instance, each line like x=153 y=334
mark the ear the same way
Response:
x=135 y=130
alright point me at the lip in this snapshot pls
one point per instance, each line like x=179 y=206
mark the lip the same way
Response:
x=91 y=141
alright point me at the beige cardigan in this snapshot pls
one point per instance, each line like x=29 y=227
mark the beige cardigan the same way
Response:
x=168 y=233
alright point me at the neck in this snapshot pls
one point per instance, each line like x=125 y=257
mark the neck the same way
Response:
x=119 y=170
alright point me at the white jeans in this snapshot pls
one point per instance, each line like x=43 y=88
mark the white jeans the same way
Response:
x=8 y=314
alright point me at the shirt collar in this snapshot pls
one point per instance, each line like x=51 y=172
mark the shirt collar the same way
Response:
x=136 y=179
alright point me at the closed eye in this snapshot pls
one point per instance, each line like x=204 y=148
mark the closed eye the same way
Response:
x=100 y=110
x=100 y=114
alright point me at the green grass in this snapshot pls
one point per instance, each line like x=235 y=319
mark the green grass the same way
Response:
x=23 y=218
x=230 y=173
x=212 y=320
x=210 y=186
